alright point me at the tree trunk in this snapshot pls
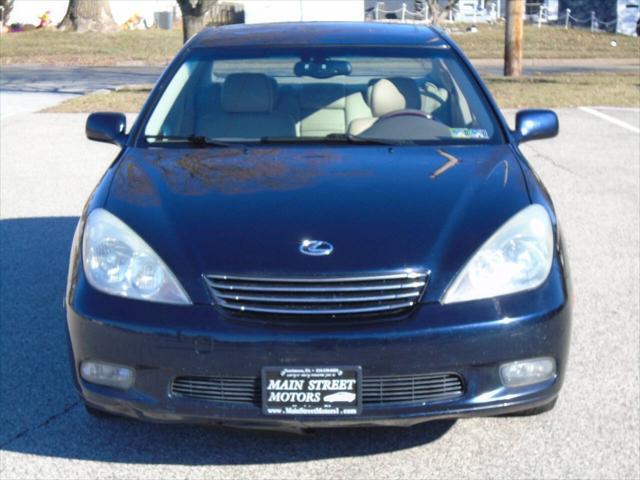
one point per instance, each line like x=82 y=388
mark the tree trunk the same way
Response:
x=513 y=38
x=438 y=12
x=191 y=25
x=7 y=6
x=88 y=15
x=193 y=16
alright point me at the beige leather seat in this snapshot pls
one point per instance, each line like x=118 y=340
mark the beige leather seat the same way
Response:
x=388 y=95
x=322 y=110
x=326 y=109
x=247 y=101
x=434 y=102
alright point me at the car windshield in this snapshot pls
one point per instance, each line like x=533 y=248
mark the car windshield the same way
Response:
x=345 y=94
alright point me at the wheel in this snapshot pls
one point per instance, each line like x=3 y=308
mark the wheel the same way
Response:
x=535 y=411
x=97 y=413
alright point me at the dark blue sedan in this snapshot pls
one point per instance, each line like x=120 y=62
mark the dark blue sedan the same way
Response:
x=314 y=225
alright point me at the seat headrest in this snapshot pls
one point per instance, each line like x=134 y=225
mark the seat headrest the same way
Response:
x=319 y=96
x=248 y=93
x=391 y=94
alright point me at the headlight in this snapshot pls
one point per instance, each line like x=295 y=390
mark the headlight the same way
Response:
x=117 y=261
x=517 y=257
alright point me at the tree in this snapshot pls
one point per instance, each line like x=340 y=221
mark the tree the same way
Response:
x=7 y=6
x=193 y=16
x=88 y=15
x=513 y=38
x=438 y=12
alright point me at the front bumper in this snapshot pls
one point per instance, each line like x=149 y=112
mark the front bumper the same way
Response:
x=471 y=339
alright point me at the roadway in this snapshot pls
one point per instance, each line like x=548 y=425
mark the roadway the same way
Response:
x=592 y=170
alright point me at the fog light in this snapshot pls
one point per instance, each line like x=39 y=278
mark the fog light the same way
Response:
x=107 y=374
x=527 y=372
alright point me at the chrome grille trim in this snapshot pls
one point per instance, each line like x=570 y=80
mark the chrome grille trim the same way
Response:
x=392 y=276
x=292 y=299
x=397 y=389
x=318 y=295
x=362 y=288
x=319 y=311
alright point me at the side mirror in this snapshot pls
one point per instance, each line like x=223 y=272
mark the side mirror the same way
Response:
x=535 y=125
x=107 y=127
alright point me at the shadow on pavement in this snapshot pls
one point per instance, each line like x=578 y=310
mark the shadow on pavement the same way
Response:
x=41 y=413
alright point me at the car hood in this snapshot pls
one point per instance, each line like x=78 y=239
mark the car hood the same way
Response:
x=245 y=211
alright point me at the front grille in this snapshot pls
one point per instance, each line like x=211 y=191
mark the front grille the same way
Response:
x=411 y=388
x=398 y=389
x=219 y=389
x=319 y=295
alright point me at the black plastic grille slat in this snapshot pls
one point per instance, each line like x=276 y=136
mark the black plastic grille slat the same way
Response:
x=375 y=390
x=219 y=389
x=353 y=295
x=411 y=389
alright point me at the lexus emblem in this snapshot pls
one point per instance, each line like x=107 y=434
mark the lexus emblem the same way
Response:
x=315 y=248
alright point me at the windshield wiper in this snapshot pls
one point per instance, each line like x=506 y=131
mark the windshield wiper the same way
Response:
x=273 y=139
x=196 y=140
x=331 y=138
x=350 y=138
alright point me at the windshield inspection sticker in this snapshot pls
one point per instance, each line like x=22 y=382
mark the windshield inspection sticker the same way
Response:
x=469 y=133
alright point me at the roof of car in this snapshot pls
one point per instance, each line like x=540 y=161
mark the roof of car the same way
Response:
x=320 y=33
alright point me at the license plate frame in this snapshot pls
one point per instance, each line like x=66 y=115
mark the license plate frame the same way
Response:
x=303 y=391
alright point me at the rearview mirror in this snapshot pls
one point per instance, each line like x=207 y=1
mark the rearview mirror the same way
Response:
x=535 y=125
x=107 y=127
x=322 y=68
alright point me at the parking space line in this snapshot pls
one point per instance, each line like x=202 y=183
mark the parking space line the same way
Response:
x=617 y=109
x=610 y=119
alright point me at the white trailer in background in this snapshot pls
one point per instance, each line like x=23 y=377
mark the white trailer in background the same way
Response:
x=267 y=11
x=628 y=16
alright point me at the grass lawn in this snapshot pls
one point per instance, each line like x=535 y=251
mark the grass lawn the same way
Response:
x=90 y=48
x=159 y=46
x=117 y=101
x=569 y=90
x=552 y=91
x=546 y=42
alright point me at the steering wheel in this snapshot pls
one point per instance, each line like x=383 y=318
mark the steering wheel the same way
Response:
x=407 y=124
x=406 y=112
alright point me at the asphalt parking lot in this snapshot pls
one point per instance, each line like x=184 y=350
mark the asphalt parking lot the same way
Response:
x=47 y=170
